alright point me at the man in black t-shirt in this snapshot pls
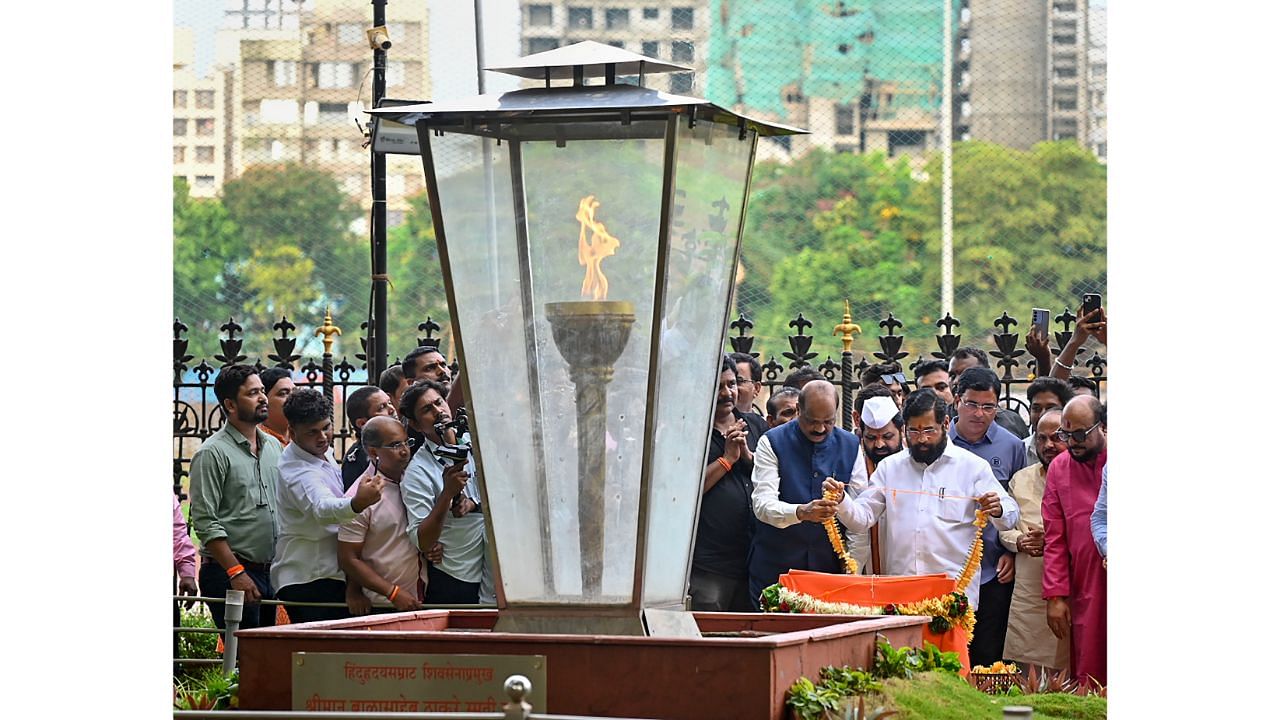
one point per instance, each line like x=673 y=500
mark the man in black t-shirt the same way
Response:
x=718 y=580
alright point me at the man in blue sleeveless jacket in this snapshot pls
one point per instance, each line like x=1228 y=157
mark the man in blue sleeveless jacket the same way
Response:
x=792 y=460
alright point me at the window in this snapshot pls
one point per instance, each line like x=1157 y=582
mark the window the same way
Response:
x=284 y=72
x=179 y=154
x=651 y=13
x=350 y=33
x=278 y=111
x=845 y=148
x=204 y=126
x=681 y=82
x=618 y=44
x=1064 y=73
x=395 y=74
x=580 y=18
x=1064 y=104
x=844 y=119
x=277 y=150
x=905 y=141
x=536 y=45
x=179 y=127
x=682 y=51
x=204 y=99
x=334 y=74
x=539 y=15
x=617 y=18
x=333 y=113
x=204 y=154
x=649 y=48
x=204 y=182
x=682 y=18
x=179 y=98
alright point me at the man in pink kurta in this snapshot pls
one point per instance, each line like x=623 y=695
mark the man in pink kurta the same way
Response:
x=1075 y=582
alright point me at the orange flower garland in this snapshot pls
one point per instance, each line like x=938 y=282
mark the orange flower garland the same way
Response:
x=837 y=542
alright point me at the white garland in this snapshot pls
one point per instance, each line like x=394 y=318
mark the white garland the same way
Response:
x=808 y=603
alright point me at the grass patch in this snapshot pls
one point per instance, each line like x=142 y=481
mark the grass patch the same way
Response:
x=943 y=696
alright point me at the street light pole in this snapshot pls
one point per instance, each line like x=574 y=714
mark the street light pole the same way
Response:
x=948 y=292
x=376 y=350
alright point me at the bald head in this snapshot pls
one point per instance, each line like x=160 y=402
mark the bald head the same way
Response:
x=387 y=445
x=1085 y=415
x=378 y=431
x=1084 y=409
x=817 y=415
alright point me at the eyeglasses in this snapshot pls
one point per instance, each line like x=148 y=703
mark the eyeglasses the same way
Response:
x=1076 y=436
x=892 y=378
x=984 y=407
x=407 y=443
x=923 y=433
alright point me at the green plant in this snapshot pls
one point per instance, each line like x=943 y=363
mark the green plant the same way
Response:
x=931 y=658
x=811 y=702
x=848 y=681
x=210 y=690
x=197 y=645
x=889 y=662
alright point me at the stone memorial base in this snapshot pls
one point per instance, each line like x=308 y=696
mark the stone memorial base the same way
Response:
x=741 y=667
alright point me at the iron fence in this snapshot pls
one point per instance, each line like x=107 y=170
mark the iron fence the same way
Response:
x=196 y=414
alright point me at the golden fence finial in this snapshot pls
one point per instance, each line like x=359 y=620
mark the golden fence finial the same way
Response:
x=848 y=328
x=328 y=330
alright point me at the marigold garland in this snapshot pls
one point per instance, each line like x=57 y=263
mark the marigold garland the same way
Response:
x=948 y=611
x=837 y=542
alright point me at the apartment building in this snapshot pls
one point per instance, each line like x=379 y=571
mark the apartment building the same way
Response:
x=671 y=30
x=199 y=123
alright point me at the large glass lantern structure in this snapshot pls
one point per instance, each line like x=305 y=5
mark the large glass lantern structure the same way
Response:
x=588 y=235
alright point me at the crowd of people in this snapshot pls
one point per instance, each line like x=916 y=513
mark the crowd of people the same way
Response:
x=905 y=486
x=400 y=522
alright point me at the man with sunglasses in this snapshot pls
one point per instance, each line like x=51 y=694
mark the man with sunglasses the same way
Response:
x=891 y=376
x=1075 y=581
x=374 y=549
x=791 y=462
x=927 y=525
x=975 y=430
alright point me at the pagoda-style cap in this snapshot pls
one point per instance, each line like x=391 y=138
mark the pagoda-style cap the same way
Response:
x=594 y=58
x=565 y=103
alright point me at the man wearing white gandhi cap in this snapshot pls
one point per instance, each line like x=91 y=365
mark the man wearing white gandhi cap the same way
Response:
x=879 y=426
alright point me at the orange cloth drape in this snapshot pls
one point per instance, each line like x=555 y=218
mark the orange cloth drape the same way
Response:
x=876 y=590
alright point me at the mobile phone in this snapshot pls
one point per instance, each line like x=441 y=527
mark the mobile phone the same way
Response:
x=1040 y=319
x=1091 y=302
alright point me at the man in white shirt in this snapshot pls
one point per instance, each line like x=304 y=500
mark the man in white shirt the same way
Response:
x=374 y=549
x=310 y=506
x=442 y=503
x=926 y=526
x=879 y=425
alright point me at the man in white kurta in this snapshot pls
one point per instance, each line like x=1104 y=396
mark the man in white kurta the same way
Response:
x=924 y=500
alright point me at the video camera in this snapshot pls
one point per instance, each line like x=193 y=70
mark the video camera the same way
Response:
x=458 y=452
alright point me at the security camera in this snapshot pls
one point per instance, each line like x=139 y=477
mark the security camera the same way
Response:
x=378 y=39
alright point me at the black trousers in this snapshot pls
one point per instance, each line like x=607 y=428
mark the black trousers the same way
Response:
x=445 y=589
x=713 y=592
x=323 y=590
x=213 y=582
x=992 y=622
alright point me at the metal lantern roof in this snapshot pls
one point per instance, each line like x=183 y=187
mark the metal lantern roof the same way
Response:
x=588 y=59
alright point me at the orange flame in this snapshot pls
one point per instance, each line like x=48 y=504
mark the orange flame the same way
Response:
x=592 y=252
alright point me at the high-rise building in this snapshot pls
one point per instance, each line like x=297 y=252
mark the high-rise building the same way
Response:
x=1096 y=119
x=199 y=122
x=297 y=78
x=671 y=30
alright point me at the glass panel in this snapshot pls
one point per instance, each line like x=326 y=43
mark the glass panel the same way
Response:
x=527 y=423
x=712 y=166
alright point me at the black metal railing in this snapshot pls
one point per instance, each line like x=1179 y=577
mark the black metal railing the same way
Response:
x=196 y=414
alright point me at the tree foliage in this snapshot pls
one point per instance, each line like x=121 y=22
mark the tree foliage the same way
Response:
x=1029 y=230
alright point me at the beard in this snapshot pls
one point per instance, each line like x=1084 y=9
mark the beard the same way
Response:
x=928 y=453
x=1086 y=455
x=878 y=454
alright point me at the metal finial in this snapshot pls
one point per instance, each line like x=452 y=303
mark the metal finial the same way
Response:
x=848 y=328
x=328 y=330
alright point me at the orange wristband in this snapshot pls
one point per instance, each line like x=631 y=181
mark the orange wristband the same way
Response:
x=234 y=570
x=728 y=466
x=395 y=589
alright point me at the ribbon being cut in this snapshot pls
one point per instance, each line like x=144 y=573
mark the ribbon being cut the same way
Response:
x=937 y=596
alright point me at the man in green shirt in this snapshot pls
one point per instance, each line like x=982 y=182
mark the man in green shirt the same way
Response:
x=233 y=498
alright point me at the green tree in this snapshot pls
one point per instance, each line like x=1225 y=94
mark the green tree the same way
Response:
x=209 y=255
x=296 y=219
x=413 y=263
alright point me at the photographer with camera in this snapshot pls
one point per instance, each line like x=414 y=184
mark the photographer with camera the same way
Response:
x=442 y=499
